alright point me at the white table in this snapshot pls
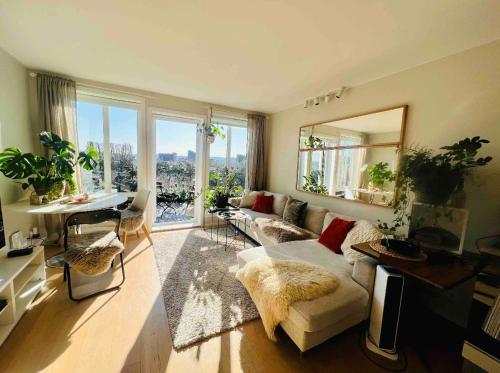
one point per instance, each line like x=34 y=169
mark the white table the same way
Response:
x=55 y=212
x=99 y=201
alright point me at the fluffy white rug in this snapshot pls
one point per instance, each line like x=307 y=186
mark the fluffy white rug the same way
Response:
x=201 y=293
x=275 y=284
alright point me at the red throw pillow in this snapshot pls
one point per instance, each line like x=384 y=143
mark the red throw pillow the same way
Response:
x=263 y=204
x=335 y=234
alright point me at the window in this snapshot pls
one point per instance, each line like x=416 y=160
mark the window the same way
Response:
x=230 y=152
x=111 y=126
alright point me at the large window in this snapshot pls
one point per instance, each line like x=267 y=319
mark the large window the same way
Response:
x=111 y=127
x=230 y=151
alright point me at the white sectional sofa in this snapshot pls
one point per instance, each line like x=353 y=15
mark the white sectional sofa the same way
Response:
x=314 y=218
x=312 y=322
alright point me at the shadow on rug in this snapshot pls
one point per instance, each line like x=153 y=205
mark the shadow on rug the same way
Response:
x=201 y=294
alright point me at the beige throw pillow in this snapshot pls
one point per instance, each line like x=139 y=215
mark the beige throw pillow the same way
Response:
x=248 y=198
x=363 y=231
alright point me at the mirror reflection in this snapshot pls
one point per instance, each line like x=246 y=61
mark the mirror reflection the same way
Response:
x=354 y=159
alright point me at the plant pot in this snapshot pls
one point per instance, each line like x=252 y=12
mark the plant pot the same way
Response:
x=437 y=194
x=221 y=201
x=210 y=138
x=56 y=191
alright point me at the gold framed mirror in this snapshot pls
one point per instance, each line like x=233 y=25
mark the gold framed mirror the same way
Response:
x=354 y=158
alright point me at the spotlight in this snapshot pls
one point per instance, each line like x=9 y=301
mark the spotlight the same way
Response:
x=328 y=97
x=306 y=104
x=339 y=92
x=316 y=101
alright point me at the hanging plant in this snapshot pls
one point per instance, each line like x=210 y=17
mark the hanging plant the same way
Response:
x=211 y=131
x=313 y=142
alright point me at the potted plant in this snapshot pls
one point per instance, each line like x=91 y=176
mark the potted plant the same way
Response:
x=313 y=142
x=433 y=178
x=212 y=130
x=222 y=186
x=48 y=175
x=314 y=183
x=378 y=174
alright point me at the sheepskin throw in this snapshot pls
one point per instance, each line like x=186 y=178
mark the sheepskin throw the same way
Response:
x=132 y=219
x=92 y=253
x=275 y=284
x=281 y=231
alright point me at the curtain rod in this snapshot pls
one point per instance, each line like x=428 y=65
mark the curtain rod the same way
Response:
x=78 y=83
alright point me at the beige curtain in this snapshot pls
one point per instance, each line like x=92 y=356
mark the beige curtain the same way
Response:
x=256 y=170
x=57 y=109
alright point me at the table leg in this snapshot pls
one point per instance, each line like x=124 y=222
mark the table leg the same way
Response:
x=212 y=227
x=53 y=226
x=218 y=222
x=227 y=227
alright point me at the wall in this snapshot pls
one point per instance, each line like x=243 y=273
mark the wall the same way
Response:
x=15 y=131
x=448 y=99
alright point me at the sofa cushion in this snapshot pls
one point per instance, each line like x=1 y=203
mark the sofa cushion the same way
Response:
x=248 y=198
x=255 y=214
x=295 y=212
x=263 y=204
x=324 y=311
x=363 y=231
x=314 y=218
x=335 y=234
x=332 y=215
x=279 y=202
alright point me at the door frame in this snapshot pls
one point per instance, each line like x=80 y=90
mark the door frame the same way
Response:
x=153 y=114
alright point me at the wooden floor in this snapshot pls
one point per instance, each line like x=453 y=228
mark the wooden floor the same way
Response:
x=127 y=331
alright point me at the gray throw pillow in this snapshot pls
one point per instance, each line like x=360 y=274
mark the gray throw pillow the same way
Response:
x=295 y=212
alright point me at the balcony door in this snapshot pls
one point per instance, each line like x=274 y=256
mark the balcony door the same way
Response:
x=177 y=176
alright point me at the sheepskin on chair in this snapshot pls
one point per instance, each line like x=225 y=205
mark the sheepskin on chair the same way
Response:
x=275 y=284
x=92 y=253
x=132 y=219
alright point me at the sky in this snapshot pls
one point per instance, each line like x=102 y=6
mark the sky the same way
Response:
x=171 y=137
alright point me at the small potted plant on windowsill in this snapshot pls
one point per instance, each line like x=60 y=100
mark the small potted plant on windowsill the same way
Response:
x=48 y=175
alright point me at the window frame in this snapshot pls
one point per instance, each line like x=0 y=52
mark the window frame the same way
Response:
x=228 y=124
x=107 y=99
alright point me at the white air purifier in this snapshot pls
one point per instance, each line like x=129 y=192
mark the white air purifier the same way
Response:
x=387 y=299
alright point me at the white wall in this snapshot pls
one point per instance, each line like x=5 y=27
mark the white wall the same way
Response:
x=448 y=99
x=15 y=131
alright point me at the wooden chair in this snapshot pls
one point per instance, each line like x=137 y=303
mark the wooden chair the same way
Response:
x=92 y=253
x=133 y=217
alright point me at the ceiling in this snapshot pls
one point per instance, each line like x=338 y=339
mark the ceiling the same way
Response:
x=259 y=55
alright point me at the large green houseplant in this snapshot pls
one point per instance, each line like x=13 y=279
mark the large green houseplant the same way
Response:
x=433 y=178
x=222 y=185
x=46 y=173
x=314 y=182
x=378 y=174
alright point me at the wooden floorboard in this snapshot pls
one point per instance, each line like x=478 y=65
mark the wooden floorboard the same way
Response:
x=127 y=331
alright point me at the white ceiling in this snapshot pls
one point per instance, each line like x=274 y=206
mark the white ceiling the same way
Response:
x=261 y=54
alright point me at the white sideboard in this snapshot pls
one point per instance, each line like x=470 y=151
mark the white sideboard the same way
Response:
x=21 y=279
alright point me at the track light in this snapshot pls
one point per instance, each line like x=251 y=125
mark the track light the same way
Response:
x=306 y=104
x=326 y=98
x=316 y=101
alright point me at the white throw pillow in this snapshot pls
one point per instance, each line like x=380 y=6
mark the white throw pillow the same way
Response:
x=363 y=231
x=248 y=199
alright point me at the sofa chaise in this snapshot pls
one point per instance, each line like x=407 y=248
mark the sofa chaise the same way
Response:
x=310 y=323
